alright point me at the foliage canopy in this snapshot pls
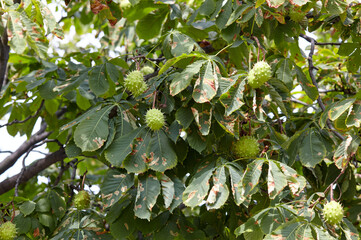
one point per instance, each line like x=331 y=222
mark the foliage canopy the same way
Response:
x=183 y=181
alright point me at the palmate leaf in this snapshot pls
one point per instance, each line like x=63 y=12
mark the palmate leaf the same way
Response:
x=295 y=182
x=198 y=188
x=125 y=224
x=116 y=183
x=92 y=133
x=206 y=86
x=147 y=194
x=203 y=116
x=218 y=194
x=183 y=79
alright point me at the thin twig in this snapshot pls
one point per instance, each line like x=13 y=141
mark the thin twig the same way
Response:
x=309 y=39
x=311 y=67
x=26 y=119
x=302 y=103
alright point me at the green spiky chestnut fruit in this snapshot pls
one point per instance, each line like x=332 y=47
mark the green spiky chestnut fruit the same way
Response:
x=147 y=70
x=134 y=82
x=246 y=147
x=154 y=119
x=259 y=74
x=82 y=200
x=7 y=231
x=333 y=212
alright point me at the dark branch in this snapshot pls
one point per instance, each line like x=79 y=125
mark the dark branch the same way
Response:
x=26 y=119
x=311 y=68
x=32 y=170
x=309 y=39
x=4 y=57
x=33 y=140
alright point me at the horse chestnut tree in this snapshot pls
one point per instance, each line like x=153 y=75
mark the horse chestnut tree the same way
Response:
x=202 y=119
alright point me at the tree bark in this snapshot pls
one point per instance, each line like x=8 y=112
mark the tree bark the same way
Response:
x=4 y=57
x=32 y=170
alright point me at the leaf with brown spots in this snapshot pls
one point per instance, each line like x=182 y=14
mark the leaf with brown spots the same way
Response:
x=116 y=183
x=203 y=116
x=161 y=152
x=147 y=193
x=198 y=188
x=218 y=194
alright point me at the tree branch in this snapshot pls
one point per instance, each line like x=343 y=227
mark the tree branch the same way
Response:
x=34 y=139
x=4 y=57
x=26 y=119
x=311 y=67
x=32 y=170
x=12 y=158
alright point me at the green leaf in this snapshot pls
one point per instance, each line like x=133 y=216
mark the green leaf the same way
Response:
x=183 y=79
x=203 y=116
x=229 y=123
x=218 y=194
x=46 y=90
x=284 y=73
x=250 y=179
x=97 y=81
x=167 y=190
x=35 y=36
x=116 y=183
x=161 y=153
x=92 y=133
x=57 y=204
x=178 y=193
x=354 y=117
x=184 y=116
x=312 y=150
x=16 y=36
x=295 y=182
x=27 y=208
x=206 y=86
x=276 y=180
x=198 y=188
x=336 y=7
x=238 y=12
x=340 y=107
x=150 y=26
x=235 y=173
x=79 y=119
x=350 y=231
x=233 y=99
x=147 y=194
x=173 y=61
x=181 y=44
x=225 y=14
x=345 y=150
x=138 y=159
x=121 y=146
x=124 y=225
x=275 y=3
x=306 y=84
x=271 y=220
